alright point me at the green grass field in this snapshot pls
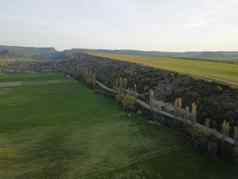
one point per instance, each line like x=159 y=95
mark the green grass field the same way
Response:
x=218 y=71
x=58 y=131
x=31 y=77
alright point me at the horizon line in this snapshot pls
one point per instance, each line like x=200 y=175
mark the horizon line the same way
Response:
x=119 y=49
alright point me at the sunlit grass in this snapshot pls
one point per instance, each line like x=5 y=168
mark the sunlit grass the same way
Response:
x=219 y=71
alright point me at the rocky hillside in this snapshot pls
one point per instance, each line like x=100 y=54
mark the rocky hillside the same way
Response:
x=215 y=101
x=31 y=52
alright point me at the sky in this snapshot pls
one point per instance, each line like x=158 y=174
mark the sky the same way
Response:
x=164 y=25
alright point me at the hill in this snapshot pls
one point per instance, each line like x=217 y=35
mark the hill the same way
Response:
x=3 y=51
x=212 y=70
x=49 y=53
x=196 y=55
x=44 y=53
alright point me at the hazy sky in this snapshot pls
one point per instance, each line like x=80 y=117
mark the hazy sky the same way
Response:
x=171 y=25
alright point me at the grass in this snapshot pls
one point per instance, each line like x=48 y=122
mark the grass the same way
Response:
x=67 y=131
x=4 y=61
x=31 y=77
x=218 y=71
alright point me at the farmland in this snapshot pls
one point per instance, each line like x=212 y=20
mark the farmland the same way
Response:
x=30 y=77
x=218 y=71
x=68 y=131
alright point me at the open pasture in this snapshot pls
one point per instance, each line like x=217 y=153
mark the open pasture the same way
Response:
x=218 y=71
x=58 y=131
x=30 y=76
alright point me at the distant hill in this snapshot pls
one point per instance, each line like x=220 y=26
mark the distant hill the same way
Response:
x=49 y=53
x=3 y=52
x=31 y=52
x=203 y=55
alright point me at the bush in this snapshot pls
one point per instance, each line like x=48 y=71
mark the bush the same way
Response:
x=128 y=102
x=200 y=138
x=199 y=133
